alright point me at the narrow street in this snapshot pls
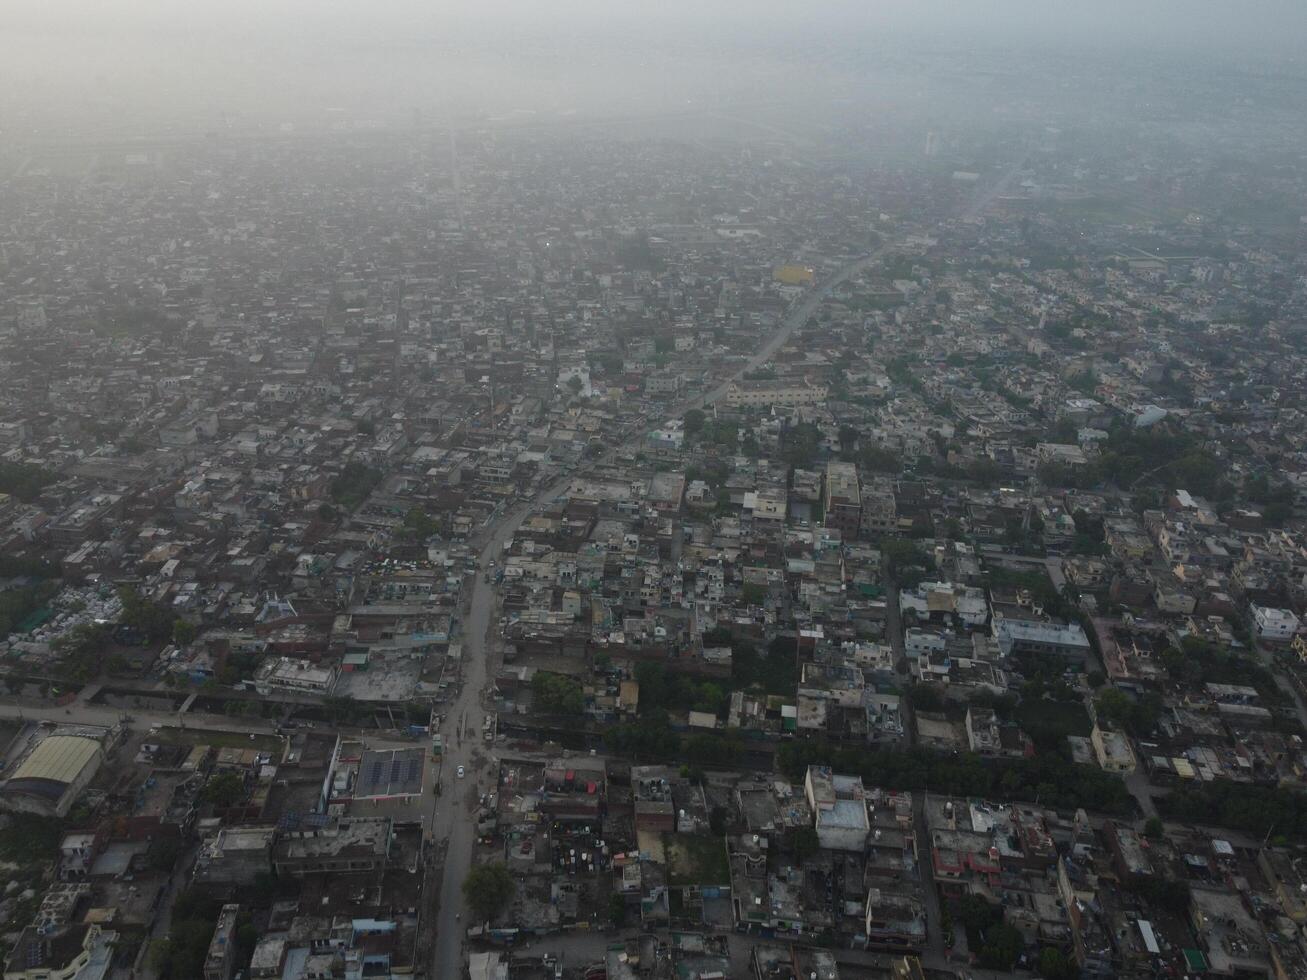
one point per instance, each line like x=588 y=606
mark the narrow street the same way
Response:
x=935 y=950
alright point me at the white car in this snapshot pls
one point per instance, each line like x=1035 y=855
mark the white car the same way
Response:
x=461 y=772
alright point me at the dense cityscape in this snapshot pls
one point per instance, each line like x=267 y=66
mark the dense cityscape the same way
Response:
x=725 y=542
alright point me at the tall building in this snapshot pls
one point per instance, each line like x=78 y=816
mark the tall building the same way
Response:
x=218 y=962
x=843 y=498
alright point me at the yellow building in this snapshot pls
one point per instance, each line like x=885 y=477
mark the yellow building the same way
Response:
x=795 y=275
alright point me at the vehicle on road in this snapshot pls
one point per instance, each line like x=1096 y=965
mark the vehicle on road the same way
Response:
x=461 y=772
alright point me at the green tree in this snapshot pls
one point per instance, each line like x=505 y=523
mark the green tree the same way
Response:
x=1139 y=717
x=877 y=460
x=487 y=889
x=693 y=420
x=1001 y=948
x=164 y=853
x=805 y=843
x=141 y=614
x=616 y=910
x=183 y=632
x=1056 y=965
x=224 y=790
x=82 y=650
x=339 y=708
x=354 y=484
x=24 y=480
x=799 y=445
x=419 y=524
x=719 y=820
x=557 y=693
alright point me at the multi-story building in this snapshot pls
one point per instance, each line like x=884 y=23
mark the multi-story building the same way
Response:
x=843 y=501
x=218 y=961
x=879 y=508
x=764 y=394
x=347 y=845
x=1273 y=625
x=1065 y=640
x=839 y=809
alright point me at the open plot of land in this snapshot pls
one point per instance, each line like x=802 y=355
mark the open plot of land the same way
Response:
x=389 y=680
x=218 y=739
x=696 y=859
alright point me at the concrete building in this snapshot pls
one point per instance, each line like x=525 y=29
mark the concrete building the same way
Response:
x=218 y=961
x=290 y=674
x=1065 y=640
x=73 y=952
x=350 y=844
x=946 y=599
x=879 y=508
x=1113 y=751
x=839 y=809
x=1271 y=625
x=843 y=500
x=234 y=855
x=764 y=394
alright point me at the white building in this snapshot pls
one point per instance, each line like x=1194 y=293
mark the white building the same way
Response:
x=289 y=674
x=1273 y=625
x=839 y=808
x=964 y=602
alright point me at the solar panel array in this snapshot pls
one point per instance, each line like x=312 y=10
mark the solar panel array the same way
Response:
x=394 y=772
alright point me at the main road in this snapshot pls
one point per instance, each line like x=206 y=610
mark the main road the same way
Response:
x=453 y=808
x=797 y=315
x=452 y=815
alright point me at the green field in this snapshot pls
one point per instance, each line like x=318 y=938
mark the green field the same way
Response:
x=696 y=859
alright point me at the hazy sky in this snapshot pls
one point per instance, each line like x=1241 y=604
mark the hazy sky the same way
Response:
x=89 y=62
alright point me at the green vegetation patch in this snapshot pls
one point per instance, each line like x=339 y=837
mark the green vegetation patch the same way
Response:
x=218 y=739
x=696 y=859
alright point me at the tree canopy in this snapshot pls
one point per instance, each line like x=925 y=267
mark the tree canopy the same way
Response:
x=487 y=889
x=557 y=693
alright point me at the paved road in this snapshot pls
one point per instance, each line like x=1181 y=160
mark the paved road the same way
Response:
x=451 y=811
x=97 y=714
x=803 y=308
x=988 y=195
x=581 y=949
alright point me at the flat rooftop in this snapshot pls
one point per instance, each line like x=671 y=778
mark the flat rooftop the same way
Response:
x=390 y=772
